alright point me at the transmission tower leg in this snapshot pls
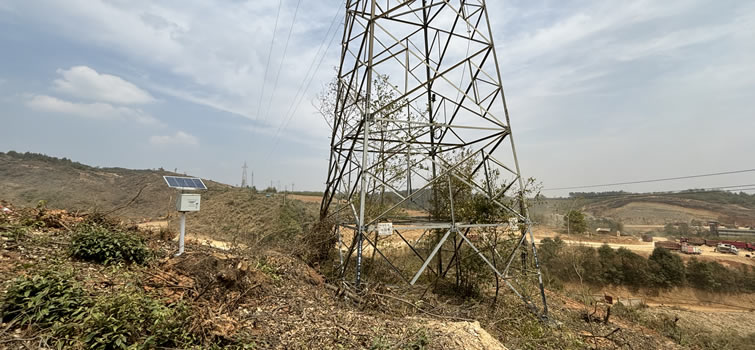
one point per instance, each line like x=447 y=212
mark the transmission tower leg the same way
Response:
x=539 y=273
x=365 y=146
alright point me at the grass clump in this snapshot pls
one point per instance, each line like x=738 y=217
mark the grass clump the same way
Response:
x=106 y=245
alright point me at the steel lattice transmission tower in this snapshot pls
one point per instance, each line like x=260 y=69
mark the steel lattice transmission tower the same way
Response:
x=244 y=176
x=419 y=119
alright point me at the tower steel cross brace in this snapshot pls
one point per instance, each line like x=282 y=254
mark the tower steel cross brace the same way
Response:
x=420 y=115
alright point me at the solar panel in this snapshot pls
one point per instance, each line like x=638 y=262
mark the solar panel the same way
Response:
x=185 y=183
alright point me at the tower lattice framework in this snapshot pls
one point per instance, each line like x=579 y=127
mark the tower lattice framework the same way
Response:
x=244 y=176
x=420 y=123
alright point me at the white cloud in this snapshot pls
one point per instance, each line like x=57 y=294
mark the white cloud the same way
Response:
x=85 y=82
x=97 y=110
x=210 y=55
x=563 y=64
x=180 y=138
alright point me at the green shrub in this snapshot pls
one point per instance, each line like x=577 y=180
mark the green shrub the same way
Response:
x=42 y=299
x=99 y=244
x=130 y=317
x=669 y=269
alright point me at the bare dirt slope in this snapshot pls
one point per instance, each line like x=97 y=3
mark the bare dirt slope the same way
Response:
x=653 y=212
x=239 y=215
x=26 y=179
x=660 y=210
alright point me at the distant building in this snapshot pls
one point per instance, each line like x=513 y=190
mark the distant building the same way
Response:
x=713 y=225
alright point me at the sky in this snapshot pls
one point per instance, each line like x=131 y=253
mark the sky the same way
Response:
x=598 y=91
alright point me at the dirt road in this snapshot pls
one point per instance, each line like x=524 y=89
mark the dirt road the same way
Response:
x=190 y=236
x=646 y=248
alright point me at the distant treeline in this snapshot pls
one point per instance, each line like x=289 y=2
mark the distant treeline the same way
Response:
x=40 y=157
x=598 y=194
x=45 y=158
x=711 y=196
x=662 y=270
x=721 y=197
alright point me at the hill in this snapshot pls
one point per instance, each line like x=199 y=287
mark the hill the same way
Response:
x=244 y=281
x=27 y=178
x=660 y=208
x=228 y=213
x=663 y=209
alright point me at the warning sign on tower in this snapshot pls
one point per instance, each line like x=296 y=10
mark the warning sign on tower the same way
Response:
x=385 y=228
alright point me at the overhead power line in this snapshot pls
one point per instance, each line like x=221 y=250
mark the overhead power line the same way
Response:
x=267 y=66
x=309 y=83
x=653 y=180
x=283 y=59
x=322 y=46
x=306 y=82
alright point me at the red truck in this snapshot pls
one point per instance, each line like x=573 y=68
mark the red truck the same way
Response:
x=692 y=240
x=715 y=242
x=670 y=245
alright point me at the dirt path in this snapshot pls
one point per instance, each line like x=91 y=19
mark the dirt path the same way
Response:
x=646 y=248
x=153 y=225
x=190 y=237
x=643 y=226
x=303 y=198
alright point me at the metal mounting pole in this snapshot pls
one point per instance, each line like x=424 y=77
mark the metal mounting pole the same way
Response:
x=182 y=228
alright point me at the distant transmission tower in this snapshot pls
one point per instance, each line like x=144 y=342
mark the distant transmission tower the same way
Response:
x=419 y=121
x=243 y=175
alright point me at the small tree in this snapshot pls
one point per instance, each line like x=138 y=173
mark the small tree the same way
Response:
x=670 y=270
x=574 y=221
x=610 y=265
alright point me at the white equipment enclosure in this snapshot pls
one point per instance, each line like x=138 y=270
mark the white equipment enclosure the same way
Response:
x=188 y=202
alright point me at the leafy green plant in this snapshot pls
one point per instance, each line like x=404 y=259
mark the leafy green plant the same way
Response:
x=268 y=269
x=13 y=232
x=43 y=299
x=103 y=245
x=420 y=341
x=130 y=318
x=69 y=318
x=379 y=343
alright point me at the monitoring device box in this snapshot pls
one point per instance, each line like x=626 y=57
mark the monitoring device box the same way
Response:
x=188 y=202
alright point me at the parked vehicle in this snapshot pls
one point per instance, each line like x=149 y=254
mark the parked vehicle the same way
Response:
x=689 y=249
x=670 y=245
x=727 y=248
x=740 y=245
x=715 y=242
x=693 y=240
